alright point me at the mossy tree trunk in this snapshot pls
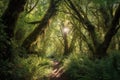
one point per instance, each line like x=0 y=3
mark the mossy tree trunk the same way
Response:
x=41 y=25
x=9 y=19
x=99 y=49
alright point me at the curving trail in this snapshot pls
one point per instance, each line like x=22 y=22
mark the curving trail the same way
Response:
x=58 y=72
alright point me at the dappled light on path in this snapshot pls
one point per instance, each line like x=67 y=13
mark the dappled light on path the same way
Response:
x=58 y=72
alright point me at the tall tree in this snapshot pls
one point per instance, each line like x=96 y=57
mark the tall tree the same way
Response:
x=42 y=24
x=9 y=19
x=99 y=48
x=11 y=14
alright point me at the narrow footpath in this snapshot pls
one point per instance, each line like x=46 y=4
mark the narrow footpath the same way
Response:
x=58 y=72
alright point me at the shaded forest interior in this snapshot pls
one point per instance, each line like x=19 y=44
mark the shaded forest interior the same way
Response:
x=59 y=40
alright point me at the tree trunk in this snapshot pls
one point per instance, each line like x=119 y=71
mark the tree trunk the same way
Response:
x=101 y=50
x=66 y=48
x=42 y=25
x=9 y=19
x=11 y=14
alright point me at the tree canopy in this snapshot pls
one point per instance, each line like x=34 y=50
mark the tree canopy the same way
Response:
x=74 y=37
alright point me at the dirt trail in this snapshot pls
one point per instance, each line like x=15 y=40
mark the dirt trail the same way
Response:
x=58 y=72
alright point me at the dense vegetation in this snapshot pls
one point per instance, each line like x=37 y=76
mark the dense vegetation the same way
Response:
x=59 y=40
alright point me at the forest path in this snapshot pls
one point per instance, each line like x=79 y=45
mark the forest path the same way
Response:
x=58 y=72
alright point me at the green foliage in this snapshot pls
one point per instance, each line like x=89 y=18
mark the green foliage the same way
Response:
x=3 y=4
x=105 y=3
x=30 y=68
x=5 y=70
x=82 y=68
x=22 y=66
x=77 y=66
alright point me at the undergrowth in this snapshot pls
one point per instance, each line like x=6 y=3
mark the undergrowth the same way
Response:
x=80 y=67
x=31 y=68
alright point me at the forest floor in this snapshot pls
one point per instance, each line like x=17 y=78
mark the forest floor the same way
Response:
x=58 y=72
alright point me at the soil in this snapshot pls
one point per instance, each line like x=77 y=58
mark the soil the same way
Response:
x=58 y=72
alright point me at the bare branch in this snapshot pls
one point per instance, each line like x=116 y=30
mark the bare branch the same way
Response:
x=34 y=22
x=113 y=28
x=84 y=20
x=32 y=7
